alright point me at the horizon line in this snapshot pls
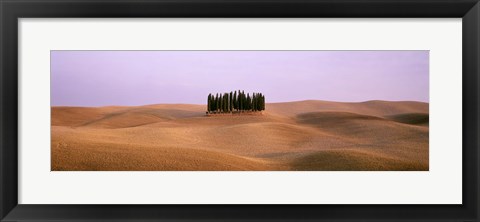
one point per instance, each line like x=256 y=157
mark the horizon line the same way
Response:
x=204 y=104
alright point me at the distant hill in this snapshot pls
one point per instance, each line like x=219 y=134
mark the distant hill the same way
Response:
x=374 y=107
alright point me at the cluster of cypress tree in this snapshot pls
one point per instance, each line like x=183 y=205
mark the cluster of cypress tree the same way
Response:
x=233 y=101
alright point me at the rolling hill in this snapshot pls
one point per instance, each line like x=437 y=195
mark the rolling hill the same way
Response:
x=303 y=135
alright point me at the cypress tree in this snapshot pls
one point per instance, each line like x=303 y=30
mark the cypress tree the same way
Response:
x=240 y=106
x=263 y=102
x=217 y=104
x=235 y=101
x=231 y=102
x=221 y=103
x=208 y=103
x=244 y=104
x=244 y=101
x=253 y=102
x=225 y=103
x=213 y=103
x=240 y=100
x=259 y=102
x=247 y=107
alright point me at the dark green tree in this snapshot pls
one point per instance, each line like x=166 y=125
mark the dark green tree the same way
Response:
x=224 y=103
x=235 y=101
x=227 y=103
x=244 y=101
x=217 y=104
x=240 y=99
x=253 y=102
x=263 y=103
x=221 y=103
x=209 y=103
x=235 y=107
x=230 y=109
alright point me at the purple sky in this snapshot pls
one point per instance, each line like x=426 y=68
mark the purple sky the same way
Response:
x=100 y=78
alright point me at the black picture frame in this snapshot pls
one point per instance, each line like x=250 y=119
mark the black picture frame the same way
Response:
x=12 y=10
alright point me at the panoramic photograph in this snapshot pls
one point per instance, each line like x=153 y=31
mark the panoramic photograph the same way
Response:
x=239 y=110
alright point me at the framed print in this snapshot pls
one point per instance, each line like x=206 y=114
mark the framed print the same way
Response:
x=226 y=110
x=237 y=130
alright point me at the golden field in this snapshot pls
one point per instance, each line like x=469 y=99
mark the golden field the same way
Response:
x=304 y=135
